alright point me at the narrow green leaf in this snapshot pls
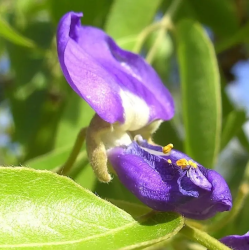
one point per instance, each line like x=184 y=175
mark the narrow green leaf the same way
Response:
x=7 y=32
x=42 y=210
x=200 y=86
x=140 y=14
x=232 y=126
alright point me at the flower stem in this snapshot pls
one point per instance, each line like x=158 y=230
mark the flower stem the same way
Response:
x=166 y=22
x=203 y=238
x=66 y=167
x=153 y=50
x=144 y=34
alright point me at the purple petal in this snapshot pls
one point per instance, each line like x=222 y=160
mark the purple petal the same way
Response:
x=237 y=242
x=144 y=181
x=220 y=191
x=164 y=186
x=182 y=186
x=114 y=82
x=219 y=199
x=199 y=179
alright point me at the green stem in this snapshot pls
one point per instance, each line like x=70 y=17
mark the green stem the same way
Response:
x=173 y=8
x=153 y=50
x=166 y=22
x=66 y=167
x=203 y=238
x=144 y=34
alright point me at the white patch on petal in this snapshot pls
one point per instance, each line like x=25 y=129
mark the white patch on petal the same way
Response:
x=154 y=152
x=116 y=138
x=136 y=111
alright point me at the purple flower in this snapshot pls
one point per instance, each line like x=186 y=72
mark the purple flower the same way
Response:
x=130 y=103
x=125 y=92
x=237 y=242
x=170 y=182
x=119 y=85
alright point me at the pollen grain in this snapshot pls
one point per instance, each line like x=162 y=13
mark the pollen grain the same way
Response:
x=191 y=163
x=183 y=163
x=167 y=149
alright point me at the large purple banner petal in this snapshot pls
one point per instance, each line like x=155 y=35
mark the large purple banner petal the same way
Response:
x=114 y=82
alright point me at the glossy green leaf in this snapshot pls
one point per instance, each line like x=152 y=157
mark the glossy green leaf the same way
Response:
x=83 y=174
x=7 y=32
x=200 y=87
x=232 y=126
x=119 y=26
x=134 y=209
x=42 y=210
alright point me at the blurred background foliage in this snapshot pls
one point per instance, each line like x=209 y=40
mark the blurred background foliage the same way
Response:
x=40 y=115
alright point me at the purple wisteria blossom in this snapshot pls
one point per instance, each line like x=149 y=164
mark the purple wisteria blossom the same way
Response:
x=130 y=102
x=237 y=242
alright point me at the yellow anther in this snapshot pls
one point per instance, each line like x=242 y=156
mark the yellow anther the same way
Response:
x=167 y=148
x=182 y=163
x=169 y=161
x=194 y=165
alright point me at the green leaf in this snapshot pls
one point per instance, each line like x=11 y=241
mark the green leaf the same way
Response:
x=7 y=32
x=219 y=15
x=95 y=11
x=200 y=86
x=115 y=190
x=244 y=140
x=240 y=36
x=53 y=159
x=232 y=126
x=42 y=210
x=140 y=14
x=134 y=209
x=168 y=133
x=83 y=174
x=76 y=115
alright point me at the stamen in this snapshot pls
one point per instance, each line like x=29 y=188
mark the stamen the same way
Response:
x=169 y=161
x=167 y=148
x=182 y=163
x=191 y=163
